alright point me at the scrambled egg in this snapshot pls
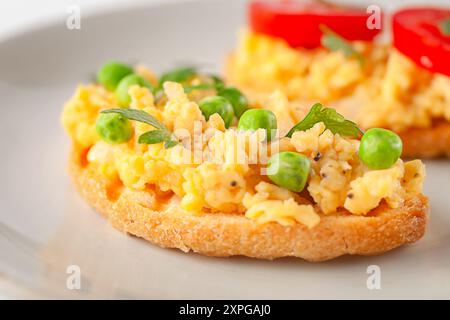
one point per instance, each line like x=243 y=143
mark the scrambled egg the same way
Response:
x=216 y=182
x=387 y=90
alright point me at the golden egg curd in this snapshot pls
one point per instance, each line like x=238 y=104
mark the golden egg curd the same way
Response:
x=385 y=89
x=226 y=175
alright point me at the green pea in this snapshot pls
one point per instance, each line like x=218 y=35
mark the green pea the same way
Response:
x=255 y=119
x=380 y=148
x=289 y=170
x=113 y=128
x=216 y=104
x=236 y=98
x=111 y=73
x=122 y=89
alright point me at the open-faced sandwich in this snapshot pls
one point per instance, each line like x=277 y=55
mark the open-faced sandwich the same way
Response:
x=186 y=162
x=314 y=51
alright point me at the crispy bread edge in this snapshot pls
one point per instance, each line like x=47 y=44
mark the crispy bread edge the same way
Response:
x=224 y=235
x=430 y=142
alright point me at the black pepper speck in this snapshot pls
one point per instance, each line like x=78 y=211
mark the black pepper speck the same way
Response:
x=318 y=156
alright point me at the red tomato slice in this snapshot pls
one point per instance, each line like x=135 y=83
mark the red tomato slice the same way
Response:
x=418 y=36
x=298 y=22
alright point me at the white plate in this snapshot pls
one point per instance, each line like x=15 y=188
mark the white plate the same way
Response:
x=45 y=227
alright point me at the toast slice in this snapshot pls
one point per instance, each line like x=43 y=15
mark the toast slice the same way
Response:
x=427 y=142
x=164 y=223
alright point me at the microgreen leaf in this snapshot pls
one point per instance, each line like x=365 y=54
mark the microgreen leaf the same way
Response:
x=138 y=115
x=154 y=136
x=161 y=134
x=170 y=143
x=334 y=42
x=444 y=26
x=218 y=81
x=203 y=86
x=178 y=75
x=333 y=121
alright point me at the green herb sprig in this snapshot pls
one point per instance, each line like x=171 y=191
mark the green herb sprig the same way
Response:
x=333 y=121
x=444 y=26
x=334 y=42
x=182 y=75
x=217 y=84
x=202 y=86
x=160 y=134
x=179 y=75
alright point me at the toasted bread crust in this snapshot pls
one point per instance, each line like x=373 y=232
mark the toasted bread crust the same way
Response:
x=226 y=235
x=427 y=142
